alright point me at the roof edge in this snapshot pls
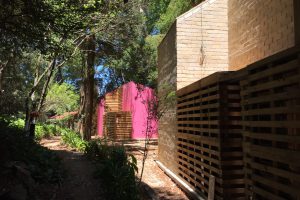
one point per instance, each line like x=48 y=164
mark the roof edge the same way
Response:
x=194 y=10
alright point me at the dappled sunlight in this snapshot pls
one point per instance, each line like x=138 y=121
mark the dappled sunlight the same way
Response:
x=155 y=182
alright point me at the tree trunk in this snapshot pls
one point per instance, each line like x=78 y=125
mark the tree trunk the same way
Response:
x=1 y=78
x=88 y=85
x=81 y=109
x=2 y=67
x=59 y=76
x=46 y=85
x=31 y=96
x=29 y=106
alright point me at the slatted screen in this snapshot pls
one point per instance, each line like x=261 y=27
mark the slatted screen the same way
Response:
x=271 y=114
x=209 y=139
x=118 y=125
x=113 y=101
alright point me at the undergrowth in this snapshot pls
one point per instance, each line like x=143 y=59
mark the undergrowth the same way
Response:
x=116 y=168
x=15 y=147
x=73 y=140
x=41 y=130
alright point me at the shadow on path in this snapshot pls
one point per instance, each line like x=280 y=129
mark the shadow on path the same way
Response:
x=79 y=183
x=156 y=183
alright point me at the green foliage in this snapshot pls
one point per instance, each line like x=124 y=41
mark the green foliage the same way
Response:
x=61 y=98
x=32 y=24
x=116 y=168
x=154 y=9
x=17 y=81
x=16 y=123
x=73 y=140
x=47 y=131
x=174 y=9
x=95 y=150
x=41 y=130
x=162 y=13
x=43 y=164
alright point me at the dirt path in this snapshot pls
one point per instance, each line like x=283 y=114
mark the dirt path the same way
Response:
x=80 y=183
x=161 y=186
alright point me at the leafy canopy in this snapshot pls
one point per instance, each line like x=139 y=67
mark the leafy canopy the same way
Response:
x=61 y=98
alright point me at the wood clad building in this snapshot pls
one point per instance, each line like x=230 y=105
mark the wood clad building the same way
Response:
x=124 y=113
x=271 y=126
x=209 y=138
x=260 y=41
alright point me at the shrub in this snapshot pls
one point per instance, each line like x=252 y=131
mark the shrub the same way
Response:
x=73 y=140
x=116 y=168
x=44 y=165
x=47 y=131
x=41 y=130
x=16 y=122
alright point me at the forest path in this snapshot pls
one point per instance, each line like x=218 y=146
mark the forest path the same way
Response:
x=79 y=183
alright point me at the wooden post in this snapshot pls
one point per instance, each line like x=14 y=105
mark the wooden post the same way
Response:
x=211 y=188
x=297 y=22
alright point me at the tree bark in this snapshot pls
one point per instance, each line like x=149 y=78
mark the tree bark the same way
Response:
x=46 y=85
x=31 y=97
x=2 y=67
x=1 y=77
x=88 y=85
x=28 y=106
x=81 y=108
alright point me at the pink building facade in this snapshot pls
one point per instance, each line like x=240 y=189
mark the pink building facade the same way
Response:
x=139 y=101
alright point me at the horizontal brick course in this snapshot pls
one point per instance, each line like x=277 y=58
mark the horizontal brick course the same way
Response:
x=258 y=29
x=207 y=27
x=167 y=75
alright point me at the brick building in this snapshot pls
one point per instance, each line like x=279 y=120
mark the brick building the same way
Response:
x=219 y=35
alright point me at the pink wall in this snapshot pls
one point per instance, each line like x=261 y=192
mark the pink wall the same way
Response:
x=100 y=117
x=136 y=99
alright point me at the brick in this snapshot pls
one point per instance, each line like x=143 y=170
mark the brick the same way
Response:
x=266 y=27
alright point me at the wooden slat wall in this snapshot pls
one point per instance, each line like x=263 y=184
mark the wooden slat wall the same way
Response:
x=271 y=127
x=113 y=101
x=209 y=139
x=118 y=125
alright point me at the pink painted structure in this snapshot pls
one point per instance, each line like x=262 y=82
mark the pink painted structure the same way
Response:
x=136 y=99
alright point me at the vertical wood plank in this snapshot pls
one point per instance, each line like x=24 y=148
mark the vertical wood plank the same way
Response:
x=211 y=188
x=297 y=22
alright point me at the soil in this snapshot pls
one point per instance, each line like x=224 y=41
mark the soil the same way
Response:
x=80 y=182
x=159 y=184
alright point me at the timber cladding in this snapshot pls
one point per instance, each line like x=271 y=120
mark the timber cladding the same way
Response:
x=243 y=129
x=113 y=101
x=209 y=138
x=118 y=125
x=271 y=127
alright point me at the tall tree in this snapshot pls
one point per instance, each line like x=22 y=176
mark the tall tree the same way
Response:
x=113 y=26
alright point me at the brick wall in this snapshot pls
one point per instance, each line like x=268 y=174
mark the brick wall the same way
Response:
x=206 y=27
x=179 y=62
x=258 y=29
x=167 y=81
